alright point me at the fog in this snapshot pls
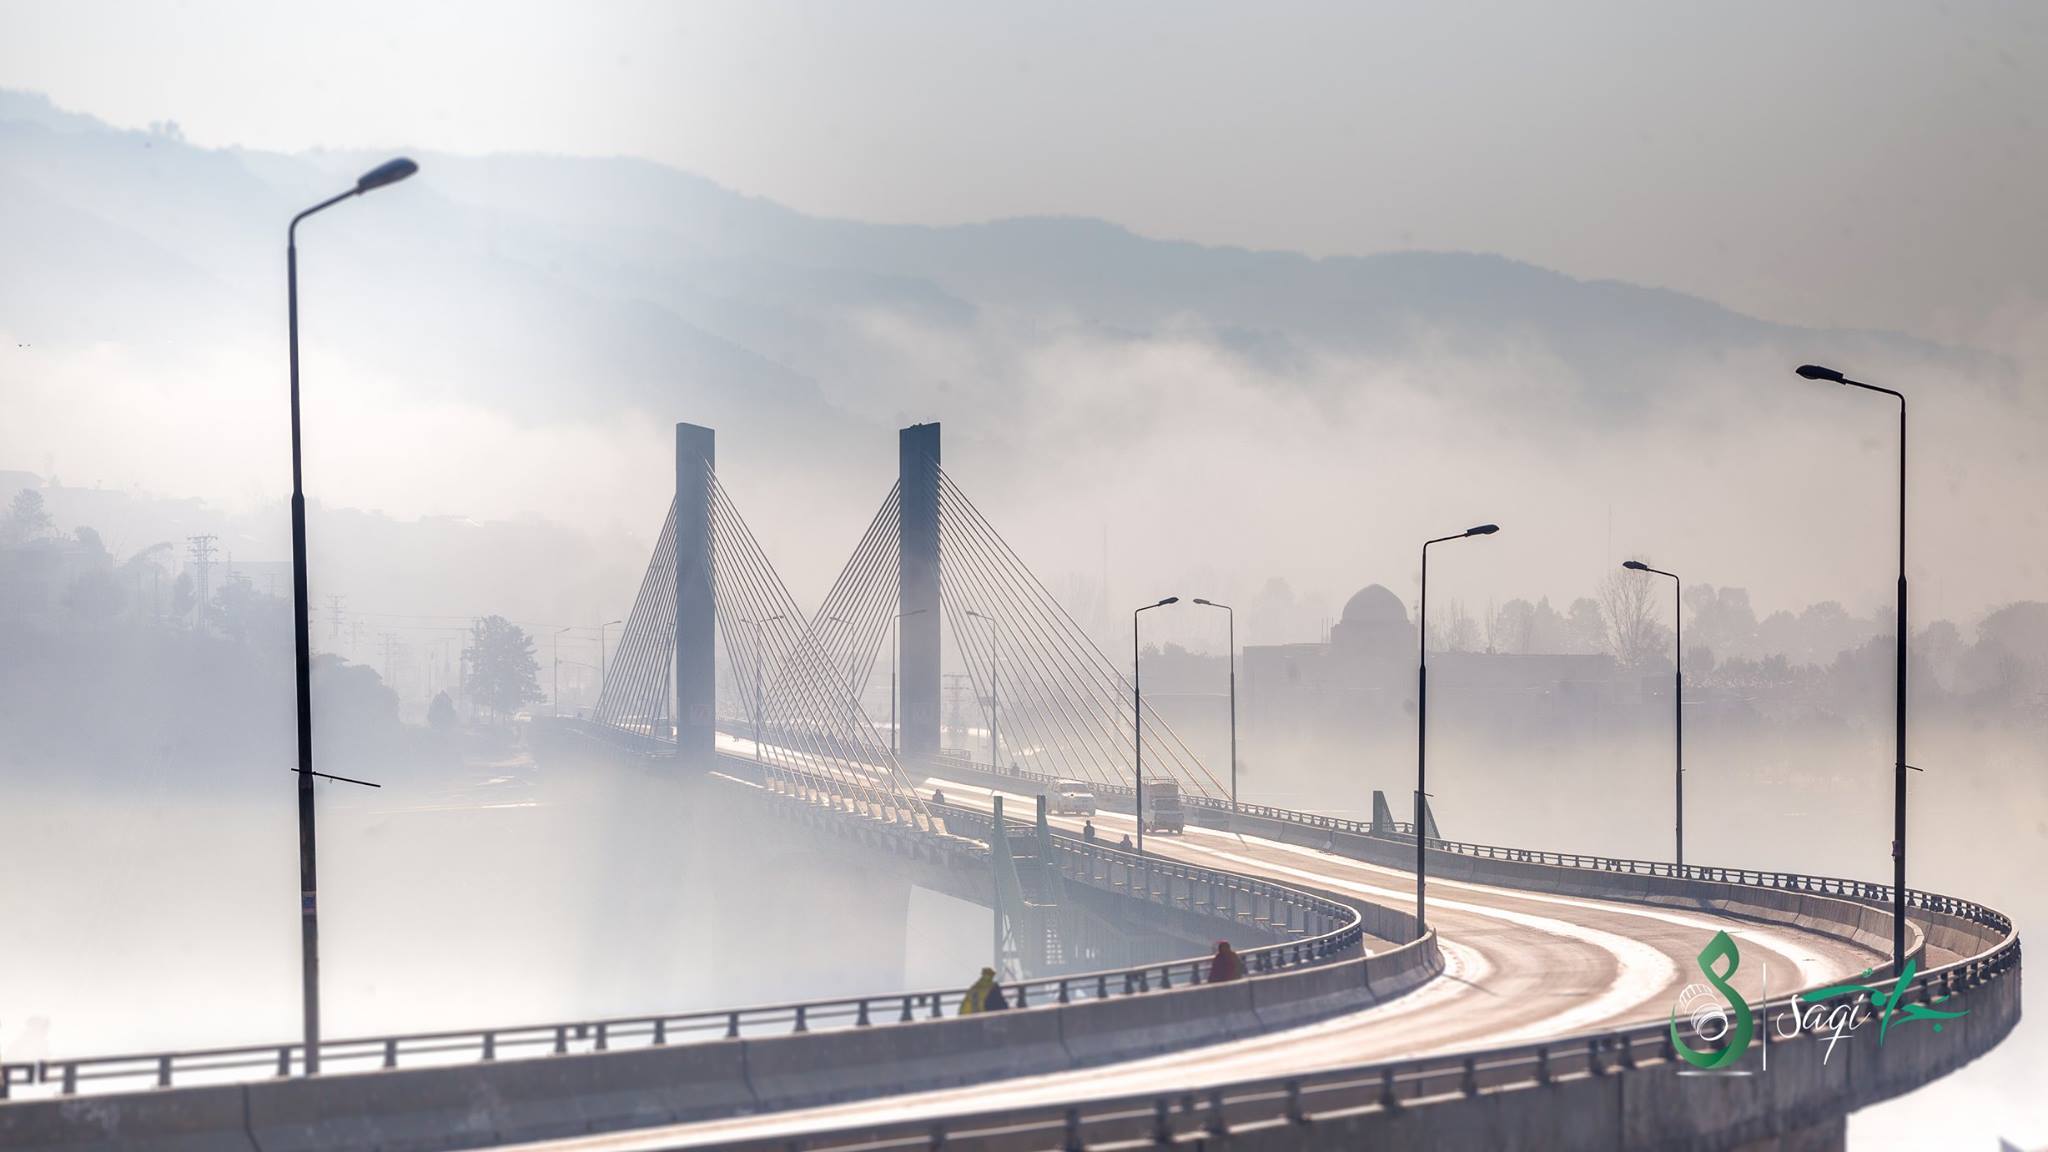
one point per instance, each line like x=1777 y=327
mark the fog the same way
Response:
x=493 y=370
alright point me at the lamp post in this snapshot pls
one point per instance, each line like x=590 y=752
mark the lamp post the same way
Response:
x=895 y=627
x=583 y=683
x=1233 y=703
x=1422 y=720
x=757 y=678
x=994 y=746
x=831 y=656
x=389 y=172
x=555 y=692
x=1817 y=372
x=1677 y=701
x=1138 y=723
x=600 y=655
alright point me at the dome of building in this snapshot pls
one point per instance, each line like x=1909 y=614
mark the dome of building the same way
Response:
x=1375 y=604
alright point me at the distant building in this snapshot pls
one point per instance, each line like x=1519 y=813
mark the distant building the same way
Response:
x=1361 y=684
x=35 y=576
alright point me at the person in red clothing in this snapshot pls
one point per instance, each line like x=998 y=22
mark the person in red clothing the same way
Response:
x=1227 y=965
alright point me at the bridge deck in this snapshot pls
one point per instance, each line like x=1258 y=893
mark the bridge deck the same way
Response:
x=1521 y=966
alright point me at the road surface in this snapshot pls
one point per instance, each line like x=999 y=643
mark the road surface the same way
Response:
x=1519 y=967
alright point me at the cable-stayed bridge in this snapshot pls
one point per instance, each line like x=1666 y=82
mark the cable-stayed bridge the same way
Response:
x=1541 y=1010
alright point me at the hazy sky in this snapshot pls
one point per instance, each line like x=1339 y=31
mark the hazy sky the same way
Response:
x=1853 y=163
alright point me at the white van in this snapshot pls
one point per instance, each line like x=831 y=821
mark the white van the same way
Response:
x=1070 y=798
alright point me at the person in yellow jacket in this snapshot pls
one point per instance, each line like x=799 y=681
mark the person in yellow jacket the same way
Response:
x=976 y=997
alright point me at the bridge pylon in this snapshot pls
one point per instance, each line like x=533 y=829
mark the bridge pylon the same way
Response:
x=917 y=584
x=696 y=643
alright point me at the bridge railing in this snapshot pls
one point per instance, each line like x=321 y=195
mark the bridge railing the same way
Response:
x=1389 y=1086
x=1404 y=832
x=1325 y=930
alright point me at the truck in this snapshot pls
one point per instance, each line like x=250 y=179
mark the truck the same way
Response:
x=1162 y=811
x=1070 y=798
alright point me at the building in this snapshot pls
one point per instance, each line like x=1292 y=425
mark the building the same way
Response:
x=1360 y=686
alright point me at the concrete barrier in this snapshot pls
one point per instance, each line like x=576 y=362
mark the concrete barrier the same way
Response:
x=1126 y=1027
x=467 y=1105
x=202 y=1119
x=854 y=1063
x=471 y=1105
x=1798 y=1105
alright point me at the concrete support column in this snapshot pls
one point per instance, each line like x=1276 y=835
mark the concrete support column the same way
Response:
x=696 y=676
x=917 y=588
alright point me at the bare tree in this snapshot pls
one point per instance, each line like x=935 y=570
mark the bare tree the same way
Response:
x=1628 y=605
x=1459 y=633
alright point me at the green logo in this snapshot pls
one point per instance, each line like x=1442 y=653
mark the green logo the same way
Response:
x=1852 y=1005
x=1889 y=1003
x=1709 y=1021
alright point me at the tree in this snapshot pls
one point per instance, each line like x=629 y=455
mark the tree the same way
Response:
x=441 y=713
x=1512 y=627
x=182 y=595
x=1628 y=605
x=355 y=716
x=1585 y=629
x=499 y=661
x=94 y=597
x=26 y=520
x=1461 y=633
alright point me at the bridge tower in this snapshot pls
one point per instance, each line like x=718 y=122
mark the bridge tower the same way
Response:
x=917 y=583
x=696 y=609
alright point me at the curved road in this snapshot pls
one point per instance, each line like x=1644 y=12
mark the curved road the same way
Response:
x=1520 y=966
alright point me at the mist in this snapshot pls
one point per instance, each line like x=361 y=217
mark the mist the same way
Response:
x=492 y=376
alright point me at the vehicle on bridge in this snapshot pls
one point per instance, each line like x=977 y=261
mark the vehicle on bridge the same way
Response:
x=1163 y=811
x=1070 y=798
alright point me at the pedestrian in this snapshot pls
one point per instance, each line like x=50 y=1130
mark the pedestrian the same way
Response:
x=1227 y=964
x=1127 y=842
x=1088 y=831
x=938 y=797
x=995 y=1001
x=975 y=999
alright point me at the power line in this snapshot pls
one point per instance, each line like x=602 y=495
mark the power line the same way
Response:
x=201 y=548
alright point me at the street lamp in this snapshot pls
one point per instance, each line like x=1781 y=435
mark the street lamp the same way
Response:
x=1233 y=703
x=1816 y=372
x=389 y=172
x=757 y=678
x=1422 y=718
x=1677 y=698
x=994 y=758
x=895 y=626
x=555 y=703
x=600 y=655
x=1138 y=722
x=852 y=656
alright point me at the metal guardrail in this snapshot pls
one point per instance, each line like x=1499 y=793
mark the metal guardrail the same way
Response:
x=597 y=1035
x=1404 y=832
x=1164 y=1118
x=1148 y=878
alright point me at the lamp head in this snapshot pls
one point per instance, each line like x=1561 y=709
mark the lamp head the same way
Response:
x=1169 y=600
x=1635 y=565
x=1482 y=530
x=1199 y=600
x=1816 y=372
x=389 y=172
